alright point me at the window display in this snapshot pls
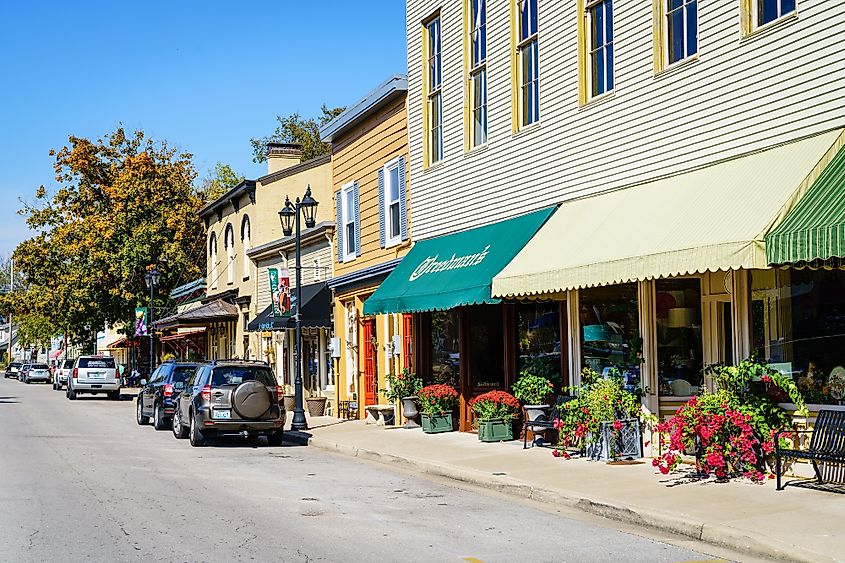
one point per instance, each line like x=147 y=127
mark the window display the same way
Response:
x=798 y=327
x=486 y=339
x=445 y=348
x=538 y=344
x=679 y=343
x=610 y=332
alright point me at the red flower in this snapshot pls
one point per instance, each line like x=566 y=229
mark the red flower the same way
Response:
x=556 y=453
x=766 y=379
x=617 y=425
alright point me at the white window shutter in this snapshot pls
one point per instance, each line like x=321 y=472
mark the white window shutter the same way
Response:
x=382 y=222
x=403 y=200
x=338 y=198
x=357 y=211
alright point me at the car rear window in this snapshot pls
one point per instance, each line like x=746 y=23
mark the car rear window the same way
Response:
x=68 y=364
x=39 y=366
x=235 y=375
x=96 y=362
x=182 y=373
x=15 y=364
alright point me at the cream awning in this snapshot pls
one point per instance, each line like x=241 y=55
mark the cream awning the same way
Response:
x=708 y=219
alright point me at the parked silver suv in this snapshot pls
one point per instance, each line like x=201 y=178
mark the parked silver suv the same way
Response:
x=230 y=397
x=94 y=374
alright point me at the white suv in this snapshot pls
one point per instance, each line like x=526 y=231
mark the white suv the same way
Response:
x=62 y=373
x=94 y=374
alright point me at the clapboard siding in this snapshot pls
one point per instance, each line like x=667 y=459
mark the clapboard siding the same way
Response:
x=740 y=95
x=357 y=156
x=321 y=251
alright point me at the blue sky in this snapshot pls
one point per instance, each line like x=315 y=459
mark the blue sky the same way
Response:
x=206 y=76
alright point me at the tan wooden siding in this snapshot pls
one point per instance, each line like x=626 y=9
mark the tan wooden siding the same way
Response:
x=357 y=157
x=740 y=95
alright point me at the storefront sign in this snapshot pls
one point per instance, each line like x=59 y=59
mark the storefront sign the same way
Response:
x=431 y=266
x=141 y=321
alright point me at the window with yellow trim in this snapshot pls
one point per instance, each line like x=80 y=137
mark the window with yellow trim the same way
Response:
x=527 y=62
x=676 y=35
x=759 y=13
x=599 y=42
x=433 y=94
x=477 y=43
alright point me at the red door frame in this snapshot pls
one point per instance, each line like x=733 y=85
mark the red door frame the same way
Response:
x=369 y=363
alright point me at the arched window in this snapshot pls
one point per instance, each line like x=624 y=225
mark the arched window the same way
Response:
x=245 y=234
x=212 y=259
x=229 y=240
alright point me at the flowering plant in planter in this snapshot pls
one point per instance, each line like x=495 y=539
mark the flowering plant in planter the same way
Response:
x=401 y=385
x=495 y=404
x=532 y=389
x=438 y=399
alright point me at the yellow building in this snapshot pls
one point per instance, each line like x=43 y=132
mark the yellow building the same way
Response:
x=369 y=177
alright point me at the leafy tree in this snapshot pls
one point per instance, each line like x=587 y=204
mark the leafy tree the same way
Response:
x=124 y=202
x=219 y=181
x=294 y=129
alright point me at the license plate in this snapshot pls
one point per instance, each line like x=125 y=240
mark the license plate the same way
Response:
x=221 y=414
x=97 y=375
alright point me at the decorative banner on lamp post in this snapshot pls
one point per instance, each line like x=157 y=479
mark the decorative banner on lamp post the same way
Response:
x=279 y=291
x=141 y=321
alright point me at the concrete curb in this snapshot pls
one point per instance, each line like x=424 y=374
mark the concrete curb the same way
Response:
x=676 y=523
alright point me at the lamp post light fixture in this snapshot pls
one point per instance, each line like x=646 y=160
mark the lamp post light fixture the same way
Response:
x=289 y=217
x=151 y=277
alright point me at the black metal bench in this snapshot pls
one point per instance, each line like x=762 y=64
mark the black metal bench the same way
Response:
x=827 y=444
x=544 y=423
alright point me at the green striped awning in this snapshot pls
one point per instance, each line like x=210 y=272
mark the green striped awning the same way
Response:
x=815 y=228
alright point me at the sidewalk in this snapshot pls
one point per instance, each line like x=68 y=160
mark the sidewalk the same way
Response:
x=795 y=524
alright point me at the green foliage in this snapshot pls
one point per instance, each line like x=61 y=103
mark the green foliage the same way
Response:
x=220 y=180
x=532 y=389
x=401 y=385
x=34 y=330
x=295 y=129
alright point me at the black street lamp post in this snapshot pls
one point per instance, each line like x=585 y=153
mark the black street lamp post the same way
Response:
x=288 y=216
x=151 y=277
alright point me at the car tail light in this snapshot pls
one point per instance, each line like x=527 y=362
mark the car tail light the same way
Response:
x=168 y=390
x=75 y=373
x=280 y=393
x=206 y=393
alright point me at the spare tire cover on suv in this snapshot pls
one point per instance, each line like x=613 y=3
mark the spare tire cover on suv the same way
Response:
x=251 y=399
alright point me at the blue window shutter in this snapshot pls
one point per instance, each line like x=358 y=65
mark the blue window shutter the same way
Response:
x=357 y=220
x=403 y=200
x=382 y=223
x=338 y=198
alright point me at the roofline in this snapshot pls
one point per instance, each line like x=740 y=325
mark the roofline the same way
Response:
x=236 y=192
x=384 y=92
x=343 y=282
x=187 y=288
x=288 y=243
x=295 y=169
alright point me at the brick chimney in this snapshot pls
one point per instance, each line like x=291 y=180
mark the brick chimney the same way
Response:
x=282 y=155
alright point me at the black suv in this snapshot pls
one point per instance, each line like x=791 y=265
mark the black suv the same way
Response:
x=230 y=397
x=157 y=396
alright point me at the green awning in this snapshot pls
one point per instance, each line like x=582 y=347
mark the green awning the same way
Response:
x=454 y=270
x=815 y=228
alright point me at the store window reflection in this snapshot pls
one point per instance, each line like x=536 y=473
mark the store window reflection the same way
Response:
x=798 y=327
x=445 y=351
x=610 y=332
x=538 y=345
x=486 y=336
x=679 y=342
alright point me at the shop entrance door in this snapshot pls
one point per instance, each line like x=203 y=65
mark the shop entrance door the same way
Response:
x=369 y=363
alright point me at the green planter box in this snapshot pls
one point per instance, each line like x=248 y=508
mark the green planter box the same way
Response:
x=495 y=430
x=437 y=423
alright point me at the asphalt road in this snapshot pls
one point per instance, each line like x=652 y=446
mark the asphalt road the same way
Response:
x=80 y=481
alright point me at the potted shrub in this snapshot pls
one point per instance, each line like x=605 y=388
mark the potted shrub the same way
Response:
x=495 y=411
x=534 y=391
x=316 y=405
x=404 y=387
x=603 y=420
x=437 y=403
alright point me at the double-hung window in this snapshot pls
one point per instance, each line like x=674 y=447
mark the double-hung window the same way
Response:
x=681 y=25
x=349 y=235
x=392 y=202
x=478 y=71
x=599 y=24
x=528 y=54
x=434 y=100
x=767 y=11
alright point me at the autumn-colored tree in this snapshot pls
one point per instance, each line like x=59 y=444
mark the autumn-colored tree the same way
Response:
x=218 y=182
x=124 y=202
x=294 y=129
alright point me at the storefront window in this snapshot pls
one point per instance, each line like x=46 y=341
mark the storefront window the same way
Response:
x=538 y=344
x=486 y=339
x=798 y=327
x=445 y=350
x=679 y=344
x=610 y=332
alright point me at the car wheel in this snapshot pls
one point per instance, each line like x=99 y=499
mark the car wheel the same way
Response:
x=178 y=427
x=139 y=414
x=195 y=435
x=276 y=438
x=159 y=422
x=71 y=394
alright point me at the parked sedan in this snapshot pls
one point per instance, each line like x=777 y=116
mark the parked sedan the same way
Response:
x=157 y=396
x=37 y=372
x=13 y=368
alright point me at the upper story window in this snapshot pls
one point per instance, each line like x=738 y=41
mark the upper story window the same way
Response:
x=245 y=240
x=229 y=241
x=393 y=215
x=478 y=71
x=348 y=223
x=212 y=258
x=598 y=18
x=681 y=37
x=434 y=100
x=767 y=11
x=528 y=55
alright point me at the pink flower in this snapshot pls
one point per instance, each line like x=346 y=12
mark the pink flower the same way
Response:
x=766 y=379
x=558 y=423
x=556 y=453
x=617 y=425
x=566 y=455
